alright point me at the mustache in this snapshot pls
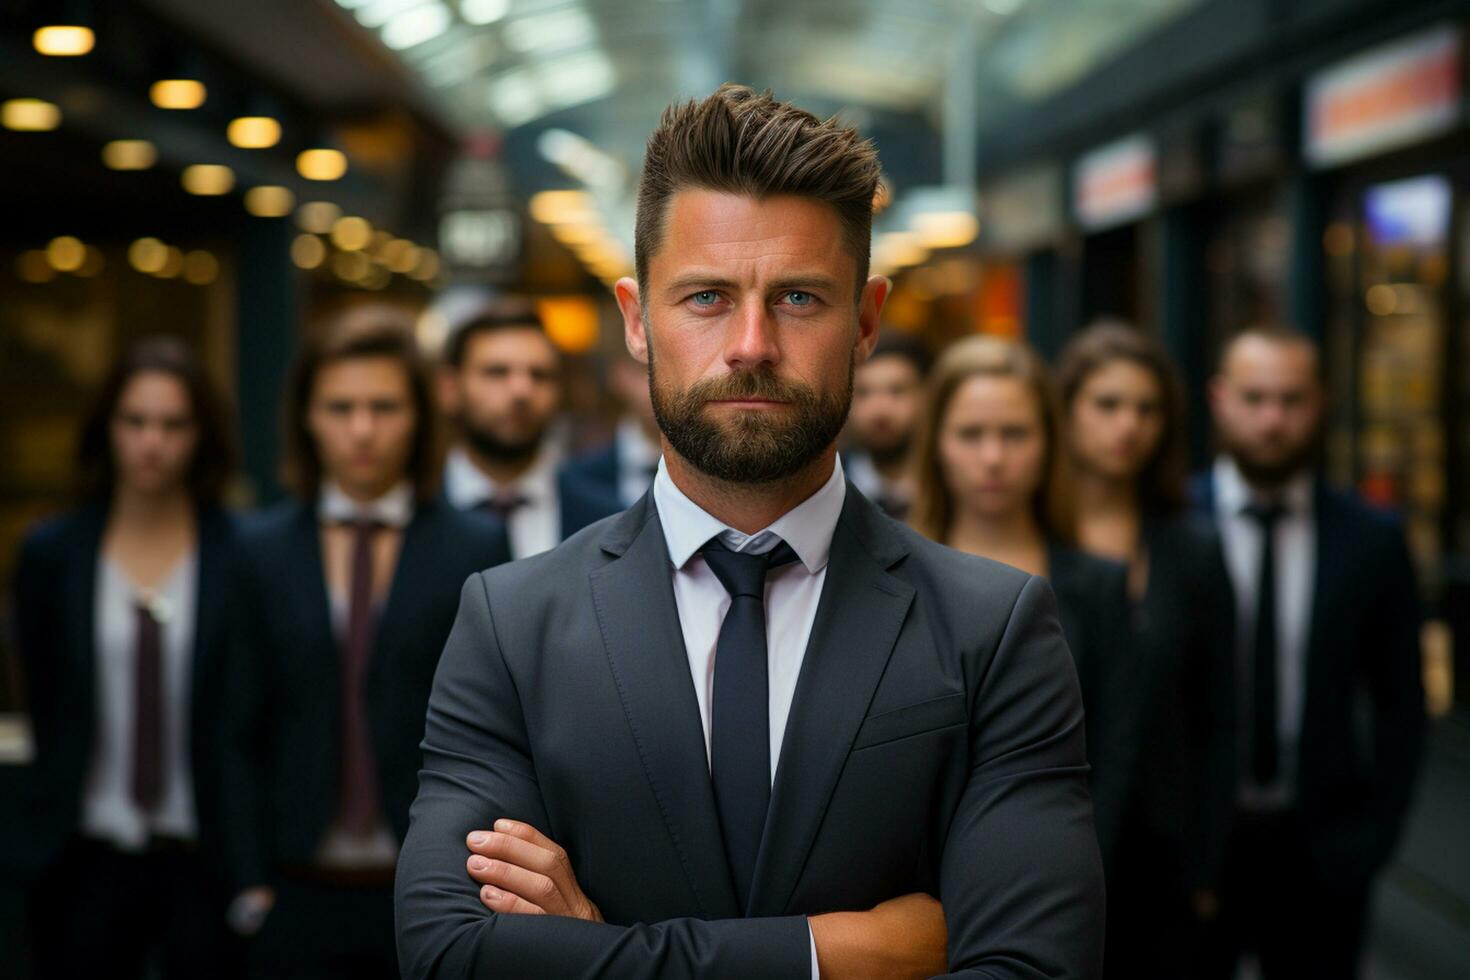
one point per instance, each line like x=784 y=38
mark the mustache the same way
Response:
x=748 y=385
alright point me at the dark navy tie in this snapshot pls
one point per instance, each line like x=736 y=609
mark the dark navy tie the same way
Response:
x=740 y=740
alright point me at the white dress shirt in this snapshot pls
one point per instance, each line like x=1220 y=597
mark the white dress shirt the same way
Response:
x=108 y=810
x=533 y=527
x=1295 y=550
x=342 y=848
x=792 y=592
x=638 y=458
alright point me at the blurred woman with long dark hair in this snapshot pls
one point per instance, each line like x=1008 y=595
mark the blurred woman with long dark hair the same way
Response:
x=119 y=624
x=991 y=477
x=1124 y=417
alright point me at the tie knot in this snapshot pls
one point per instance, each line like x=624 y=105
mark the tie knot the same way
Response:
x=741 y=572
x=505 y=503
x=1265 y=514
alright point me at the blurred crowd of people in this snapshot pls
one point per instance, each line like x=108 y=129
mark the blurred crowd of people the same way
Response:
x=227 y=707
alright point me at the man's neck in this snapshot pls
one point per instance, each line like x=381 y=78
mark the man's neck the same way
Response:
x=501 y=470
x=748 y=507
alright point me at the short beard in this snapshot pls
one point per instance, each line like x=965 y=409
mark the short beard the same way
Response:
x=492 y=447
x=1273 y=476
x=889 y=456
x=753 y=448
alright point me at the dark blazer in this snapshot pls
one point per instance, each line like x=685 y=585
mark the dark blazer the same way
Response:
x=934 y=744
x=588 y=485
x=55 y=618
x=1363 y=718
x=281 y=752
x=1184 y=642
x=1092 y=604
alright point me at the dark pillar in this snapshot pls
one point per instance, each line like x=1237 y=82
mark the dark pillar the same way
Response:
x=267 y=297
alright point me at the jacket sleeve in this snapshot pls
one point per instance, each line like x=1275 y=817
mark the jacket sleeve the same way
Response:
x=1021 y=878
x=478 y=768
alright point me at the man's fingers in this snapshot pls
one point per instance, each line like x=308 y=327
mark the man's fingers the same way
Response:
x=526 y=832
x=516 y=850
x=537 y=889
x=504 y=902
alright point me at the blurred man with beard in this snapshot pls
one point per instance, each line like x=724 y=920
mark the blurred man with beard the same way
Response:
x=501 y=384
x=750 y=727
x=886 y=394
x=1329 y=705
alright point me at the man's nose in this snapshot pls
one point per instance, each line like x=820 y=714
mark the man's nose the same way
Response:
x=751 y=341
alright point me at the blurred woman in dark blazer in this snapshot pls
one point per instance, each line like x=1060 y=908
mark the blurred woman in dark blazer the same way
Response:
x=991 y=478
x=119 y=611
x=1124 y=416
x=344 y=600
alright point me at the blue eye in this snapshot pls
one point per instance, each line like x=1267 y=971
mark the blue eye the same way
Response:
x=798 y=298
x=706 y=297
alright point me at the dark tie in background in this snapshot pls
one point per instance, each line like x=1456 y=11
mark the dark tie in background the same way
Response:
x=502 y=505
x=359 y=770
x=740 y=742
x=1265 y=702
x=148 y=711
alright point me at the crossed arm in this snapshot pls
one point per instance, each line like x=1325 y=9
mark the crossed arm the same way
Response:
x=1020 y=876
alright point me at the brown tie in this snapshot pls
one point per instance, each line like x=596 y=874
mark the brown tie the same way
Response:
x=148 y=712
x=504 y=504
x=359 y=769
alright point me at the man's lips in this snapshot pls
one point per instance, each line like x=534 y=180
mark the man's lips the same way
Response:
x=747 y=402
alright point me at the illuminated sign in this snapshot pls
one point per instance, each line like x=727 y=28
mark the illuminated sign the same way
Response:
x=1116 y=184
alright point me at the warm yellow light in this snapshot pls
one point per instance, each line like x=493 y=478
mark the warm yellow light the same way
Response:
x=401 y=255
x=92 y=264
x=269 y=201
x=571 y=322
x=173 y=263
x=200 y=268
x=1381 y=300
x=317 y=217
x=308 y=252
x=427 y=266
x=351 y=266
x=29 y=115
x=578 y=234
x=33 y=266
x=147 y=255
x=66 y=253
x=321 y=164
x=129 y=155
x=351 y=233
x=178 y=93
x=558 y=207
x=897 y=249
x=64 y=41
x=209 y=179
x=253 y=132
x=946 y=229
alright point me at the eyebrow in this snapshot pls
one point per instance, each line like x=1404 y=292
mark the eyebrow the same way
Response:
x=699 y=280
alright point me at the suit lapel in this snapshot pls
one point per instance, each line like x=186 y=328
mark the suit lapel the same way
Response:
x=861 y=610
x=305 y=561
x=634 y=600
x=409 y=574
x=82 y=598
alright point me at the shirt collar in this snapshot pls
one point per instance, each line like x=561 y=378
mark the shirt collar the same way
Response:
x=394 y=508
x=807 y=527
x=1233 y=494
x=467 y=486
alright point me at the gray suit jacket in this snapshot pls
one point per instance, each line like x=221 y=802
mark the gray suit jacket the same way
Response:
x=935 y=744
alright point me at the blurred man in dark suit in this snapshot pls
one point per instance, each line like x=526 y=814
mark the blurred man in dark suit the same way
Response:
x=1330 y=710
x=887 y=392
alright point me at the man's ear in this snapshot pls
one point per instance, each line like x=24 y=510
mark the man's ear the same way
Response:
x=870 y=311
x=631 y=306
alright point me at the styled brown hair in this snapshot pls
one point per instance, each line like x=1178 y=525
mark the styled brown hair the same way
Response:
x=932 y=513
x=1161 y=482
x=372 y=330
x=742 y=142
x=506 y=313
x=215 y=455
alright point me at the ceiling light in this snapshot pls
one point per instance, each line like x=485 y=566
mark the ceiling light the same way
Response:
x=317 y=217
x=147 y=255
x=307 y=251
x=253 y=132
x=129 y=155
x=569 y=27
x=200 y=268
x=269 y=201
x=351 y=233
x=478 y=12
x=208 y=179
x=321 y=164
x=64 y=41
x=66 y=253
x=29 y=115
x=412 y=27
x=177 y=93
x=945 y=229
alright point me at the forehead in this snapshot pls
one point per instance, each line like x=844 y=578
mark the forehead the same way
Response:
x=889 y=369
x=510 y=344
x=1263 y=361
x=156 y=391
x=372 y=375
x=1001 y=398
x=744 y=238
x=1122 y=373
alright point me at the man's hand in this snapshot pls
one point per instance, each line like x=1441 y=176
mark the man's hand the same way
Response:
x=902 y=937
x=523 y=872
